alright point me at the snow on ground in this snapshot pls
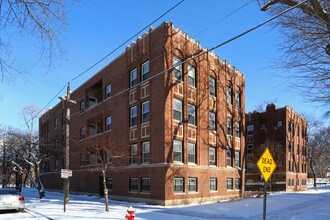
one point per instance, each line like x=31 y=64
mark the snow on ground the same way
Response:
x=312 y=204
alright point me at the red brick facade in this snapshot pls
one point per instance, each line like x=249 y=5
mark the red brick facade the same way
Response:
x=284 y=132
x=171 y=139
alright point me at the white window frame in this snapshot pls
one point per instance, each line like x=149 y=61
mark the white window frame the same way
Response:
x=134 y=154
x=177 y=150
x=191 y=75
x=177 y=70
x=229 y=95
x=237 y=158
x=108 y=90
x=230 y=126
x=229 y=160
x=178 y=183
x=212 y=156
x=229 y=184
x=238 y=100
x=146 y=152
x=213 y=86
x=177 y=108
x=133 y=115
x=133 y=78
x=192 y=152
x=108 y=123
x=145 y=112
x=192 y=184
x=212 y=121
x=145 y=71
x=191 y=114
x=237 y=129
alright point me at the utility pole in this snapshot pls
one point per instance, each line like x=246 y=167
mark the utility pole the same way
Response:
x=66 y=182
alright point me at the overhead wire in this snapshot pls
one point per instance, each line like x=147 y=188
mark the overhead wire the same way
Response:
x=211 y=49
x=103 y=58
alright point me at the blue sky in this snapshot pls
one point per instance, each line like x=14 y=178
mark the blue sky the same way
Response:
x=96 y=27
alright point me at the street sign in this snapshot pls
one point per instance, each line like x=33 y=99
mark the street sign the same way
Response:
x=65 y=173
x=266 y=164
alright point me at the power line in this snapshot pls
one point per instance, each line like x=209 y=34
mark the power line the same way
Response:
x=211 y=49
x=103 y=58
x=133 y=36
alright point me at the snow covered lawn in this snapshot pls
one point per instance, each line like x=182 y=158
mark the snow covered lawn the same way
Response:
x=303 y=205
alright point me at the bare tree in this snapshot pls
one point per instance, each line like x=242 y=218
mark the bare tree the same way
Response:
x=44 y=20
x=306 y=46
x=318 y=150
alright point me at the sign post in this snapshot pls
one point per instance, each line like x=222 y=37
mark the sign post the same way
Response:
x=266 y=165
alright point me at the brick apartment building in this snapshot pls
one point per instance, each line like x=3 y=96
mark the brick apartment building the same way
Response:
x=170 y=132
x=284 y=132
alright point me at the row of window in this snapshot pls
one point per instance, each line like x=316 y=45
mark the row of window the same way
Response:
x=178 y=115
x=179 y=184
x=178 y=75
x=145 y=114
x=291 y=182
x=133 y=75
x=178 y=154
x=145 y=153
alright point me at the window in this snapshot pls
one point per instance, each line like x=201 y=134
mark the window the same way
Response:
x=249 y=149
x=133 y=184
x=213 y=86
x=146 y=152
x=192 y=184
x=212 y=156
x=145 y=71
x=83 y=160
x=82 y=106
x=108 y=123
x=250 y=129
x=238 y=100
x=237 y=159
x=133 y=116
x=230 y=126
x=191 y=153
x=134 y=155
x=55 y=122
x=109 y=184
x=145 y=112
x=178 y=184
x=237 y=129
x=213 y=184
x=263 y=126
x=228 y=158
x=108 y=91
x=229 y=95
x=212 y=122
x=177 y=150
x=191 y=114
x=177 y=64
x=177 y=109
x=191 y=76
x=279 y=143
x=237 y=183
x=279 y=123
x=145 y=184
x=82 y=133
x=229 y=183
x=133 y=78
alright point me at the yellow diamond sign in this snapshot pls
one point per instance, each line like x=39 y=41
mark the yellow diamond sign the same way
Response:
x=266 y=164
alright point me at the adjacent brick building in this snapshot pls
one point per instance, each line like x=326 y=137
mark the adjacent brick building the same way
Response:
x=284 y=132
x=170 y=132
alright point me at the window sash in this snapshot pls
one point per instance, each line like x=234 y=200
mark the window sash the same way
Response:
x=108 y=91
x=133 y=186
x=108 y=123
x=230 y=126
x=177 y=150
x=133 y=116
x=145 y=112
x=178 y=185
x=177 y=68
x=238 y=129
x=145 y=184
x=145 y=71
x=191 y=76
x=134 y=154
x=192 y=184
x=237 y=158
x=213 y=184
x=229 y=95
x=237 y=183
x=212 y=121
x=191 y=114
x=229 y=183
x=191 y=153
x=229 y=164
x=133 y=78
x=238 y=100
x=145 y=152
x=212 y=86
x=212 y=152
x=177 y=109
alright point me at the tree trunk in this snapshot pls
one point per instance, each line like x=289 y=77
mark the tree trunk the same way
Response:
x=106 y=197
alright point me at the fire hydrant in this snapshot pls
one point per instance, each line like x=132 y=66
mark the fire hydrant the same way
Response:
x=130 y=213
